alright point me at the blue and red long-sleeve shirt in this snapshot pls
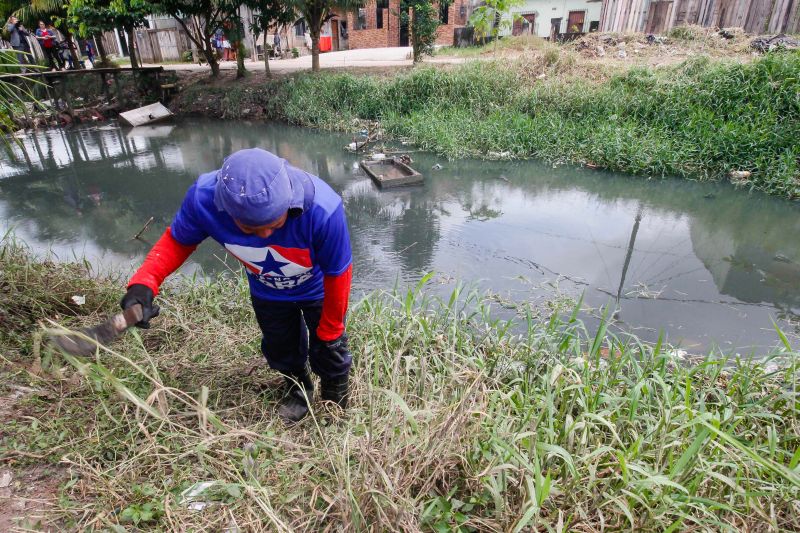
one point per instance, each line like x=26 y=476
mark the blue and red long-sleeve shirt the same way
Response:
x=309 y=258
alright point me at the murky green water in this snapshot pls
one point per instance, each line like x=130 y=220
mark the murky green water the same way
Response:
x=708 y=264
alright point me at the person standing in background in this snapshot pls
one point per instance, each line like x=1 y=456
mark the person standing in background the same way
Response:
x=19 y=40
x=47 y=41
x=89 y=50
x=60 y=45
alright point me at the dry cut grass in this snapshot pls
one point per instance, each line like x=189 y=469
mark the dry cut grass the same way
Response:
x=459 y=422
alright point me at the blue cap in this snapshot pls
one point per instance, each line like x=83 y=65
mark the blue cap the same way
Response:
x=256 y=187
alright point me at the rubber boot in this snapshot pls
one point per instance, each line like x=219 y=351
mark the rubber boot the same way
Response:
x=294 y=406
x=336 y=390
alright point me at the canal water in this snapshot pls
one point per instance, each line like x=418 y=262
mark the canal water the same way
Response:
x=709 y=265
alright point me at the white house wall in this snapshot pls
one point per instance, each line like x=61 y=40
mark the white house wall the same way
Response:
x=549 y=9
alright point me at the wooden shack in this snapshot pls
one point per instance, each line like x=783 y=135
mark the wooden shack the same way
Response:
x=660 y=16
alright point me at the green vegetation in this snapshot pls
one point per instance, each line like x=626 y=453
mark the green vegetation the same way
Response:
x=493 y=17
x=700 y=119
x=459 y=422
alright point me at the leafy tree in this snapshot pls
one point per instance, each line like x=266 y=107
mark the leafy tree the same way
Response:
x=269 y=14
x=423 y=20
x=200 y=19
x=92 y=17
x=490 y=18
x=234 y=31
x=316 y=13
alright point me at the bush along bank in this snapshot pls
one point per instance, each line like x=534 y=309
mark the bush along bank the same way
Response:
x=457 y=424
x=700 y=119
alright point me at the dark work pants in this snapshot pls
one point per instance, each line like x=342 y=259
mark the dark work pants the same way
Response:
x=290 y=339
x=51 y=54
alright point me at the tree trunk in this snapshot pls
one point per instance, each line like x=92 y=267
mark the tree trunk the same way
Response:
x=132 y=46
x=72 y=51
x=211 y=57
x=240 y=70
x=315 y=50
x=415 y=44
x=101 y=49
x=266 y=56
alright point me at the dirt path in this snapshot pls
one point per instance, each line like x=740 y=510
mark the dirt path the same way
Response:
x=368 y=58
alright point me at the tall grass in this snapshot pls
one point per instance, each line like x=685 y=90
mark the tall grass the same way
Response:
x=459 y=422
x=700 y=120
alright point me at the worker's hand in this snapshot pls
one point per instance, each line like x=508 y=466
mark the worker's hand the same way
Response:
x=143 y=295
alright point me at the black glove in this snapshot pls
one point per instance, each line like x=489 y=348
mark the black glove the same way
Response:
x=141 y=294
x=338 y=353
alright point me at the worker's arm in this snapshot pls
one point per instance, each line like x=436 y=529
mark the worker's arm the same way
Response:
x=167 y=255
x=334 y=256
x=334 y=305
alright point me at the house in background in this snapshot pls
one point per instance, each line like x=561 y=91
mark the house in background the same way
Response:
x=379 y=24
x=659 y=16
x=556 y=19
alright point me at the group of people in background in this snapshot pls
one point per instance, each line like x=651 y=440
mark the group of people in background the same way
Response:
x=56 y=50
x=222 y=45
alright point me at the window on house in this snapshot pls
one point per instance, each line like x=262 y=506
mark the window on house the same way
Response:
x=444 y=11
x=594 y=26
x=379 y=7
x=362 y=19
x=300 y=29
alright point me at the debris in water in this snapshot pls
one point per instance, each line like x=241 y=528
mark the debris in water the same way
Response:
x=146 y=114
x=377 y=157
x=355 y=146
x=781 y=258
x=437 y=166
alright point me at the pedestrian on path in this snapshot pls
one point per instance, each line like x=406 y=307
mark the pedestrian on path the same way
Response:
x=276 y=44
x=64 y=59
x=89 y=50
x=47 y=40
x=288 y=229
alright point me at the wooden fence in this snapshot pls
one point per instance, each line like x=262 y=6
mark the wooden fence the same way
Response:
x=658 y=16
x=157 y=46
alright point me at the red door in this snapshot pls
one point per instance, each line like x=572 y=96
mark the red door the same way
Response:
x=575 y=21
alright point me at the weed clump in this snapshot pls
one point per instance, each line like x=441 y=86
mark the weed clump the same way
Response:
x=458 y=422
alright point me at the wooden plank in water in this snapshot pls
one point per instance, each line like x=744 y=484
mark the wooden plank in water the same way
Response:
x=391 y=173
x=145 y=115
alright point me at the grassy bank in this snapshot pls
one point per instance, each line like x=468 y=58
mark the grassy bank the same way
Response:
x=456 y=424
x=701 y=119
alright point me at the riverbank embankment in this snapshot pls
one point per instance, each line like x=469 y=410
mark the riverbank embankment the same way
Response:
x=703 y=118
x=455 y=424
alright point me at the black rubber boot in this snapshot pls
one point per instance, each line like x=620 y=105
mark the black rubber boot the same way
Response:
x=336 y=390
x=294 y=406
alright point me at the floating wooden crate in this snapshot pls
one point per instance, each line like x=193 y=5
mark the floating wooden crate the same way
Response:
x=390 y=172
x=145 y=115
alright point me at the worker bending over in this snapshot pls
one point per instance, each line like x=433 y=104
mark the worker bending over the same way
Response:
x=288 y=229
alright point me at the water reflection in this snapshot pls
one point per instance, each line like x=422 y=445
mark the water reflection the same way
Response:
x=708 y=263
